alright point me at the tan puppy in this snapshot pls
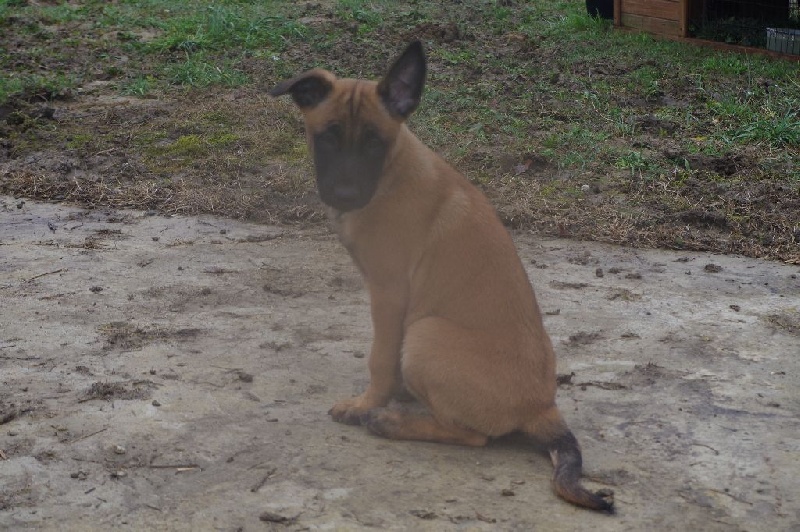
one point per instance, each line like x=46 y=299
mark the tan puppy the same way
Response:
x=455 y=319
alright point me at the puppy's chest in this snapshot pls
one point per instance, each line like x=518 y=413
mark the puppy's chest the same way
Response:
x=346 y=229
x=342 y=225
x=366 y=240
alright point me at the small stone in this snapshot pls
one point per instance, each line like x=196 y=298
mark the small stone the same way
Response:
x=712 y=268
x=119 y=449
x=507 y=493
x=96 y=289
x=119 y=474
x=599 y=272
x=13 y=433
x=156 y=403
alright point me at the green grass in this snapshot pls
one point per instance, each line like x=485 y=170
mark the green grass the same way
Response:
x=365 y=14
x=216 y=27
x=9 y=86
x=140 y=86
x=198 y=70
x=781 y=131
x=196 y=145
x=633 y=161
x=53 y=85
x=194 y=44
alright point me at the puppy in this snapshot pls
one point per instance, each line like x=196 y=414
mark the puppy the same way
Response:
x=455 y=319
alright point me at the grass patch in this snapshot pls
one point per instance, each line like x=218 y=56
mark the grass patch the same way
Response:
x=532 y=100
x=214 y=26
x=198 y=71
x=141 y=86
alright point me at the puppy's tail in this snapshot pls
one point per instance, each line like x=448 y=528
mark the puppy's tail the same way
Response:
x=567 y=465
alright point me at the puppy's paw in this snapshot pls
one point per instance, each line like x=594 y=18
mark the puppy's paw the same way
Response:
x=382 y=422
x=403 y=395
x=348 y=411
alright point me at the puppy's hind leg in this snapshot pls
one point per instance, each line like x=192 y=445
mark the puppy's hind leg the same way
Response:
x=401 y=424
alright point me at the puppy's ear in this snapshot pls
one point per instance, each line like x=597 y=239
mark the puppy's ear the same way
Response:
x=307 y=89
x=401 y=89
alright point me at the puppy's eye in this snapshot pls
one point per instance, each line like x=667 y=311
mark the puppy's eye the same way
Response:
x=331 y=136
x=371 y=143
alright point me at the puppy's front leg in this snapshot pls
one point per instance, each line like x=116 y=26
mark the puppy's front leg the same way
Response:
x=388 y=314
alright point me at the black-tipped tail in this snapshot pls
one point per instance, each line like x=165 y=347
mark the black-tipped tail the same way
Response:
x=567 y=463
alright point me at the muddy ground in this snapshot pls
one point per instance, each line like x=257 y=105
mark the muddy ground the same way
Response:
x=175 y=372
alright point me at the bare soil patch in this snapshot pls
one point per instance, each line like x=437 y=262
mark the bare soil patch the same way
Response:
x=191 y=392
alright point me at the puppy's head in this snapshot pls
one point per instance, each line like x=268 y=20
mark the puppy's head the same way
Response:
x=351 y=124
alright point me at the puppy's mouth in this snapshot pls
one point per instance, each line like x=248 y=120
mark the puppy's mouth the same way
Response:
x=345 y=197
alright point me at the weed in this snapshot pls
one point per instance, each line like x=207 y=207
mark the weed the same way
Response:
x=219 y=27
x=781 y=131
x=621 y=122
x=726 y=64
x=35 y=87
x=457 y=57
x=79 y=141
x=196 y=145
x=197 y=71
x=140 y=86
x=633 y=161
x=361 y=12
x=9 y=86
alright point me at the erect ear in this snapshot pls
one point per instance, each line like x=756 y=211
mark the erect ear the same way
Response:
x=307 y=89
x=401 y=89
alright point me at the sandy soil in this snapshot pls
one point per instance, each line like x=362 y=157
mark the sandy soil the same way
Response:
x=175 y=373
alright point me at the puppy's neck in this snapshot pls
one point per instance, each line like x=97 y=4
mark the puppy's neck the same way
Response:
x=408 y=166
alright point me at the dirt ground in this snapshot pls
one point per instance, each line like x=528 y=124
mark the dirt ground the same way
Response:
x=175 y=373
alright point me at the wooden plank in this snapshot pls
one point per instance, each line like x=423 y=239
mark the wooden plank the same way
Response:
x=684 y=21
x=666 y=9
x=618 y=13
x=659 y=26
